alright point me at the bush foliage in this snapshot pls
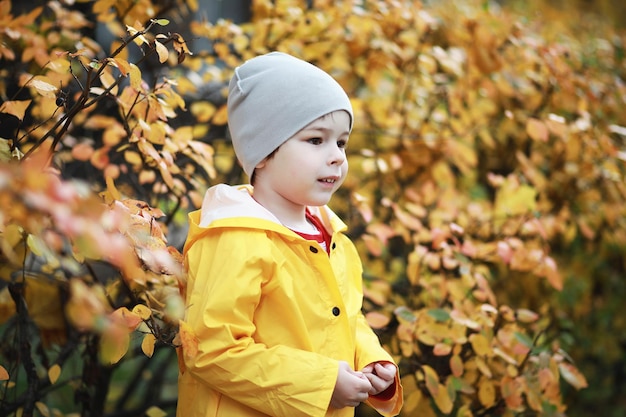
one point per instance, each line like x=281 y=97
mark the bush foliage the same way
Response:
x=486 y=196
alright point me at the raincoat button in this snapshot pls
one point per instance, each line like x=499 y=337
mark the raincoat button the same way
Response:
x=313 y=249
x=336 y=311
x=334 y=245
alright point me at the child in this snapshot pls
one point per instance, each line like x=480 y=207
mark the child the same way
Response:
x=274 y=287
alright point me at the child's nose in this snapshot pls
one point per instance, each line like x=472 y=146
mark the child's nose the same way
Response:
x=337 y=155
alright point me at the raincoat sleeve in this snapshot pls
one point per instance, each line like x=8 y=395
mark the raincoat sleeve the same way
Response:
x=224 y=287
x=369 y=350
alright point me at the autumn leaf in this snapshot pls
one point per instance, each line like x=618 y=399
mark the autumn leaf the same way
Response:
x=486 y=392
x=432 y=380
x=443 y=400
x=155 y=411
x=147 y=344
x=162 y=51
x=4 y=375
x=572 y=375
x=376 y=320
x=54 y=372
x=16 y=108
x=187 y=339
x=114 y=343
x=43 y=85
x=537 y=130
x=456 y=365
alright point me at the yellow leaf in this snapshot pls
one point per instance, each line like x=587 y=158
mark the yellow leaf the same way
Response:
x=54 y=372
x=4 y=374
x=526 y=316
x=142 y=311
x=442 y=400
x=486 y=393
x=43 y=409
x=44 y=86
x=431 y=379
x=16 y=108
x=481 y=345
x=135 y=77
x=140 y=39
x=155 y=411
x=514 y=199
x=464 y=411
x=202 y=110
x=114 y=344
x=221 y=116
x=147 y=344
x=161 y=51
x=108 y=80
x=413 y=399
x=35 y=244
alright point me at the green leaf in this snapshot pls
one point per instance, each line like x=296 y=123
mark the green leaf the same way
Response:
x=162 y=22
x=439 y=314
x=524 y=339
x=5 y=150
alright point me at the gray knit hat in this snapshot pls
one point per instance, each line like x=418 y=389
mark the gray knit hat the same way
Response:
x=273 y=96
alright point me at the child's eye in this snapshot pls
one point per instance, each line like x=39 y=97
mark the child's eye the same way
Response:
x=342 y=143
x=315 y=141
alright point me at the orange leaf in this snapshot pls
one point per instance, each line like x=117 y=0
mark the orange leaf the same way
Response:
x=537 y=130
x=376 y=320
x=511 y=390
x=16 y=108
x=127 y=318
x=456 y=365
x=442 y=349
x=188 y=340
x=572 y=375
x=4 y=374
x=373 y=244
x=82 y=151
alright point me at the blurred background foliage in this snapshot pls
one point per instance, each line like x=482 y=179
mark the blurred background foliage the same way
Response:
x=486 y=192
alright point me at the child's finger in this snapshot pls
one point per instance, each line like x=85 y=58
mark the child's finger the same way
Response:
x=386 y=371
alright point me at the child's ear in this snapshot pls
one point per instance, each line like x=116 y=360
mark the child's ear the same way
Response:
x=261 y=164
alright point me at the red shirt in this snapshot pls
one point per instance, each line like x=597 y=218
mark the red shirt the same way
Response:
x=322 y=236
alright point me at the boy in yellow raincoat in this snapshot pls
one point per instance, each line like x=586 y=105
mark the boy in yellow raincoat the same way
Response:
x=274 y=294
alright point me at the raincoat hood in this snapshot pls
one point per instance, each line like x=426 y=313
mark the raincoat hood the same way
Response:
x=233 y=206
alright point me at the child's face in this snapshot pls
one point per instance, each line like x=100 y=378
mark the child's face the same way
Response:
x=309 y=167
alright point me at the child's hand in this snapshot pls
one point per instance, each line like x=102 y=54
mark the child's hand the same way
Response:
x=381 y=375
x=351 y=388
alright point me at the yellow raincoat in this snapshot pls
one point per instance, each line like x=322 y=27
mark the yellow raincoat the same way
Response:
x=272 y=314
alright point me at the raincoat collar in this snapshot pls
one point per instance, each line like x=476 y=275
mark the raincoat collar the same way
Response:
x=226 y=205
